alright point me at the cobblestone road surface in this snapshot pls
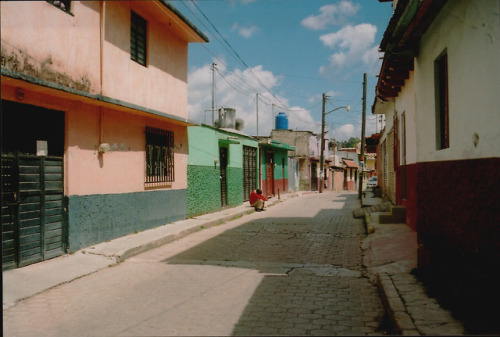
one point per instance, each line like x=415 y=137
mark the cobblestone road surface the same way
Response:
x=294 y=269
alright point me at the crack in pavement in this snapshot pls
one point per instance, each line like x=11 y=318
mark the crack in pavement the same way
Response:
x=285 y=269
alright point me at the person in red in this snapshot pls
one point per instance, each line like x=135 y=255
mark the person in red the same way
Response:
x=257 y=200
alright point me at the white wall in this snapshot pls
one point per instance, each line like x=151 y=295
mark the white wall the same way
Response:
x=470 y=32
x=406 y=103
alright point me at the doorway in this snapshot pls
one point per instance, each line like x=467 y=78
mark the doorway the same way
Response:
x=34 y=225
x=223 y=175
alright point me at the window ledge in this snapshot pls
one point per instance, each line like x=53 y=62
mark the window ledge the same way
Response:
x=155 y=186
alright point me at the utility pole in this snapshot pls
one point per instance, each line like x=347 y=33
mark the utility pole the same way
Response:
x=272 y=107
x=322 y=154
x=213 y=94
x=257 y=103
x=362 y=155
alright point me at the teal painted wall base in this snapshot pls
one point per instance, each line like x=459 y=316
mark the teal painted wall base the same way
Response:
x=203 y=195
x=97 y=218
x=234 y=186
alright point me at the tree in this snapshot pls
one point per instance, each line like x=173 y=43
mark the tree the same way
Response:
x=352 y=142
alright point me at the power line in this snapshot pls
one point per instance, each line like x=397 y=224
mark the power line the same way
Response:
x=235 y=53
x=232 y=85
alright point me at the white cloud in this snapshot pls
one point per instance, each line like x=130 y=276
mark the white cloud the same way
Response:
x=354 y=45
x=299 y=119
x=372 y=58
x=237 y=90
x=331 y=15
x=348 y=130
x=343 y=132
x=246 y=32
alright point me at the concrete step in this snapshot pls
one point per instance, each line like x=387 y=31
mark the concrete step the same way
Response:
x=397 y=214
x=379 y=207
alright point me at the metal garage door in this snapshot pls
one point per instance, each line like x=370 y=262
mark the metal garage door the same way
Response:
x=33 y=209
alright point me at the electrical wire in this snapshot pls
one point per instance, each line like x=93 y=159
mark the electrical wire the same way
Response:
x=245 y=87
x=235 y=53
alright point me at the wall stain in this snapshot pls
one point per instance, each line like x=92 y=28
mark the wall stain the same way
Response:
x=19 y=61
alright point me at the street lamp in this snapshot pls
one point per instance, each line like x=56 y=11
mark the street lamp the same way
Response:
x=322 y=154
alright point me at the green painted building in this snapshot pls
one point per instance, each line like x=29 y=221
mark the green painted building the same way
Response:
x=222 y=168
x=274 y=166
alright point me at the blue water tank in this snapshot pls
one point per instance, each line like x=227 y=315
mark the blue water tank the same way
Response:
x=281 y=121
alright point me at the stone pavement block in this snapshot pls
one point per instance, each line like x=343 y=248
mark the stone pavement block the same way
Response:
x=412 y=332
x=404 y=321
x=293 y=332
x=320 y=332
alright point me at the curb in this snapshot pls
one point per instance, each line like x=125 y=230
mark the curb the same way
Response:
x=69 y=267
x=394 y=307
x=122 y=255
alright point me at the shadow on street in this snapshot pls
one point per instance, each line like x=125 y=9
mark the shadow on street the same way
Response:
x=313 y=266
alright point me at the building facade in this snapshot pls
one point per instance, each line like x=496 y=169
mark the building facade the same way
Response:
x=94 y=122
x=274 y=169
x=222 y=168
x=349 y=158
x=307 y=153
x=437 y=90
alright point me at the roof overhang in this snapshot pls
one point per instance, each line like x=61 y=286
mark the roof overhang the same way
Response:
x=372 y=142
x=400 y=43
x=232 y=133
x=172 y=18
x=350 y=163
x=13 y=79
x=228 y=141
x=382 y=106
x=274 y=144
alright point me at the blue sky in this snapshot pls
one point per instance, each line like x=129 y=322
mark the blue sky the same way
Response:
x=290 y=52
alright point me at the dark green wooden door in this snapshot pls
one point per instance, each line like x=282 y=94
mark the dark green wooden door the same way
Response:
x=223 y=175
x=33 y=209
x=249 y=171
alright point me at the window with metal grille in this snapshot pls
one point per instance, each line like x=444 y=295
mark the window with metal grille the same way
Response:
x=159 y=156
x=65 y=5
x=138 y=38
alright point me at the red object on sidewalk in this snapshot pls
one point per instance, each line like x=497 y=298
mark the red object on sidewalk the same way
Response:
x=254 y=196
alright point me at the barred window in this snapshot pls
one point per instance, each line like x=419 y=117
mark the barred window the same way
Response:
x=159 y=156
x=138 y=38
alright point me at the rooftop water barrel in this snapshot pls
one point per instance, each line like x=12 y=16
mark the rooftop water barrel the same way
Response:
x=281 y=121
x=227 y=118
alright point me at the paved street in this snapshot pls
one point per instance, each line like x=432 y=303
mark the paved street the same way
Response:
x=294 y=269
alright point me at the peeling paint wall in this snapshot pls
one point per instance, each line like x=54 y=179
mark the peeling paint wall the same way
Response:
x=18 y=61
x=43 y=41
x=34 y=42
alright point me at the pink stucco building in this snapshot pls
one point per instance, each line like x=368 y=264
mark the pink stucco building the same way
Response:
x=94 y=122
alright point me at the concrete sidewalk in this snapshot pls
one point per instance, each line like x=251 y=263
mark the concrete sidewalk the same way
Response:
x=25 y=282
x=390 y=255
